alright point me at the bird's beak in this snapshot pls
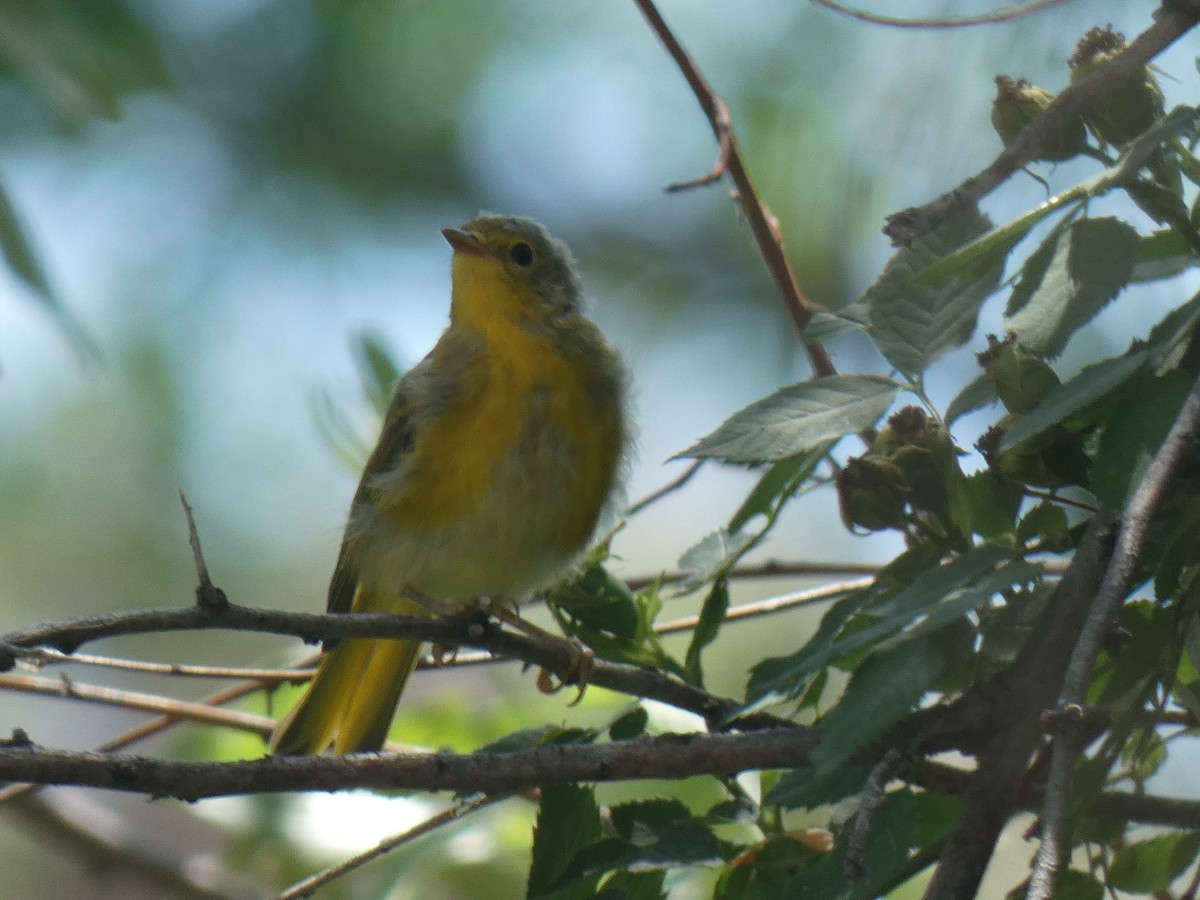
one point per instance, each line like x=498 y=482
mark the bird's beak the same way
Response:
x=462 y=242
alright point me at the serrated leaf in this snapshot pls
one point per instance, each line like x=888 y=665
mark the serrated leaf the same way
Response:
x=1085 y=266
x=914 y=322
x=664 y=834
x=1170 y=338
x=568 y=820
x=979 y=393
x=1092 y=384
x=797 y=418
x=882 y=690
x=1151 y=865
x=984 y=503
x=629 y=724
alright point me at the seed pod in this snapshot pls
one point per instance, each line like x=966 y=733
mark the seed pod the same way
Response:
x=1127 y=107
x=1018 y=103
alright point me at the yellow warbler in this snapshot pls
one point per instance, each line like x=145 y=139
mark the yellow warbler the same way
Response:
x=498 y=454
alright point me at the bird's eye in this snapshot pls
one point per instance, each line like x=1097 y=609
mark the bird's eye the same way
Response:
x=521 y=253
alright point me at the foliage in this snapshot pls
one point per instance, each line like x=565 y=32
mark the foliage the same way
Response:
x=988 y=492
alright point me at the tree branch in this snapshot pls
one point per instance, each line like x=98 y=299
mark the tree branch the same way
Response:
x=449 y=632
x=1184 y=437
x=729 y=159
x=668 y=756
x=1172 y=20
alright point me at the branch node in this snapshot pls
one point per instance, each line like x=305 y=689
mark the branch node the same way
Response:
x=208 y=595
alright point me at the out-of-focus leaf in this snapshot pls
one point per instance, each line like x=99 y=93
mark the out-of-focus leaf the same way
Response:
x=797 y=418
x=913 y=322
x=378 y=370
x=80 y=56
x=1092 y=384
x=629 y=724
x=568 y=820
x=1088 y=263
x=25 y=264
x=1170 y=339
x=1144 y=867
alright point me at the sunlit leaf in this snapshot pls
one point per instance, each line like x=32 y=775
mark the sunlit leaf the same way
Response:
x=799 y=417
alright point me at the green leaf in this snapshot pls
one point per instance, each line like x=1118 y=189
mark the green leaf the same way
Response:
x=715 y=553
x=1163 y=254
x=629 y=724
x=797 y=418
x=1086 y=265
x=25 y=264
x=568 y=820
x=1075 y=885
x=1047 y=522
x=664 y=835
x=378 y=370
x=781 y=479
x=913 y=321
x=952 y=584
x=1151 y=865
x=882 y=690
x=1092 y=384
x=1145 y=409
x=1170 y=339
x=824 y=326
x=598 y=599
x=712 y=617
x=979 y=393
x=984 y=503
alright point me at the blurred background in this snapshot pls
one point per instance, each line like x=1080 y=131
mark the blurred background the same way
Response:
x=226 y=195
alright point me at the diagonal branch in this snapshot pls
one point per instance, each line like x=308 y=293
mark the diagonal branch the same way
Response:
x=729 y=159
x=1183 y=438
x=669 y=756
x=1172 y=20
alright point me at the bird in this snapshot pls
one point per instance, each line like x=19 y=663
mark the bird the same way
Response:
x=499 y=458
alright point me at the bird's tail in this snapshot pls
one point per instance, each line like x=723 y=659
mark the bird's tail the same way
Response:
x=352 y=699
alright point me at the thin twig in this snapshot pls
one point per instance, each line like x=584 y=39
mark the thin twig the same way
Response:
x=39 y=656
x=308 y=886
x=870 y=800
x=1183 y=438
x=178 y=709
x=155 y=726
x=669 y=487
x=207 y=594
x=729 y=159
x=1006 y=14
x=1172 y=20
